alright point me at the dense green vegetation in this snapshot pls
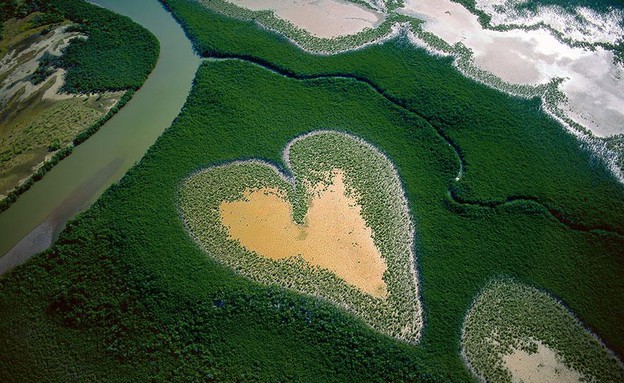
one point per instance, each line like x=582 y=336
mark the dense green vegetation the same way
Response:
x=498 y=136
x=200 y=319
x=118 y=54
x=153 y=299
x=46 y=68
x=128 y=296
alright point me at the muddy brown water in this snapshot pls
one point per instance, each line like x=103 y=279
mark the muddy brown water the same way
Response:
x=35 y=220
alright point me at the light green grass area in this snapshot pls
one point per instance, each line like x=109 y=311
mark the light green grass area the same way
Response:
x=33 y=129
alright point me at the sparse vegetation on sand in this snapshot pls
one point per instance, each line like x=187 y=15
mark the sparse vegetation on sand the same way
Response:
x=312 y=159
x=509 y=316
x=41 y=129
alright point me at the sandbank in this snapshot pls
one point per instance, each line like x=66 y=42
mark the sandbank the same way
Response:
x=541 y=366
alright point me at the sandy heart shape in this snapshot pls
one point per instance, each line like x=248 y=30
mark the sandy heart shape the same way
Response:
x=338 y=229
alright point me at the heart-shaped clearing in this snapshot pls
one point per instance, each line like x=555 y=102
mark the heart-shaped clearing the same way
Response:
x=334 y=236
x=341 y=231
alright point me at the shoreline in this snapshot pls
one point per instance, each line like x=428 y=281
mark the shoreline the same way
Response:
x=127 y=136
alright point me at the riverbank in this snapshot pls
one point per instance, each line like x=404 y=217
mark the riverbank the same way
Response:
x=133 y=298
x=54 y=91
x=121 y=141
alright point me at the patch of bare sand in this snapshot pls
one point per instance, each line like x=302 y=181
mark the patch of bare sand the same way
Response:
x=321 y=18
x=542 y=366
x=54 y=91
x=334 y=237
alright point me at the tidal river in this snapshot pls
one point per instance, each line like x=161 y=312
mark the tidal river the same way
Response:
x=35 y=220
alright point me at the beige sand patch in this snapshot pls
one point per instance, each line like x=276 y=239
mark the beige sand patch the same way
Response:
x=321 y=18
x=334 y=237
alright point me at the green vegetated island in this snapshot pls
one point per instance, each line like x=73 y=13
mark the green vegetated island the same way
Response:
x=65 y=68
x=518 y=233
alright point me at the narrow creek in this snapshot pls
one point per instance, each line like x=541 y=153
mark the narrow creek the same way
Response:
x=35 y=220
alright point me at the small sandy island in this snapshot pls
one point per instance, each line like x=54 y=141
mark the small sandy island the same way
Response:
x=335 y=237
x=320 y=18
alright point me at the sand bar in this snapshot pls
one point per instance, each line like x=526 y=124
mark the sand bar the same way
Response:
x=17 y=66
x=542 y=366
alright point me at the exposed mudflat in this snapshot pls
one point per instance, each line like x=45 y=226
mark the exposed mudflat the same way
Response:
x=334 y=237
x=37 y=119
x=320 y=18
x=592 y=83
x=580 y=23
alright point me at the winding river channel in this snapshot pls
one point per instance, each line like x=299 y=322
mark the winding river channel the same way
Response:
x=35 y=220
